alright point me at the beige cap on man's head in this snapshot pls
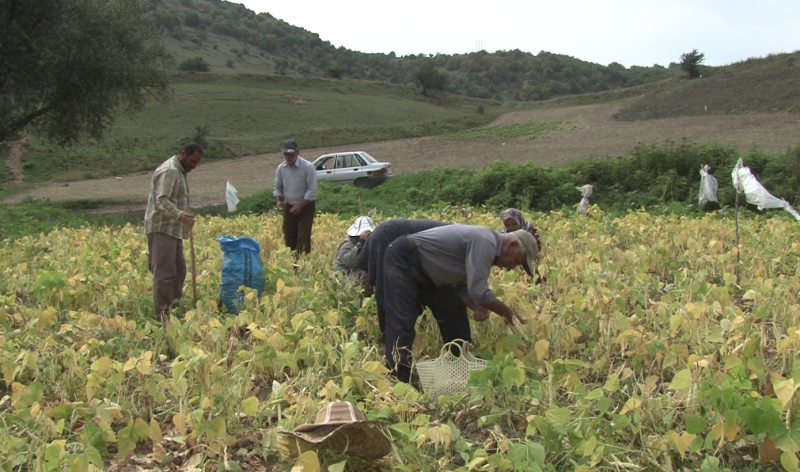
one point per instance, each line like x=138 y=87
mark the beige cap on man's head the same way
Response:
x=531 y=248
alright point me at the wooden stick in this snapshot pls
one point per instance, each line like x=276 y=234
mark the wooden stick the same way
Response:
x=194 y=270
x=736 y=219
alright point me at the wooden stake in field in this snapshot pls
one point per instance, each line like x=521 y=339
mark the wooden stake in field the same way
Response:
x=736 y=220
x=194 y=269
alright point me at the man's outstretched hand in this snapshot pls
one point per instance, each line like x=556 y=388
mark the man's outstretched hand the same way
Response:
x=480 y=313
x=514 y=316
x=508 y=313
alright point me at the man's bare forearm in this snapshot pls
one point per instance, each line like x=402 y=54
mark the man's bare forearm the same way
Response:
x=501 y=309
x=468 y=302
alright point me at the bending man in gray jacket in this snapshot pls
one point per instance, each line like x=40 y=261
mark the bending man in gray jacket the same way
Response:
x=460 y=255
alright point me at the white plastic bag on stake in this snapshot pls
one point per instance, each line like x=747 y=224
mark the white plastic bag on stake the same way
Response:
x=745 y=182
x=230 y=197
x=708 y=187
x=586 y=191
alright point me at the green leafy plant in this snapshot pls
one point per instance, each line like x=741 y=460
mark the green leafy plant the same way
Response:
x=194 y=64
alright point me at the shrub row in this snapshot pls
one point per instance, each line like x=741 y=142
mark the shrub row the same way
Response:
x=659 y=178
x=649 y=176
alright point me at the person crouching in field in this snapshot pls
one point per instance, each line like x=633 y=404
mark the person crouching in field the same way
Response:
x=350 y=250
x=513 y=220
x=167 y=222
x=461 y=256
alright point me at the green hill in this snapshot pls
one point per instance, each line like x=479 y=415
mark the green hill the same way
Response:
x=234 y=39
x=238 y=114
x=267 y=82
x=765 y=85
x=251 y=114
x=757 y=85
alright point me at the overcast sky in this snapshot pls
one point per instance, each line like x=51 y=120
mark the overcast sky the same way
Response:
x=631 y=32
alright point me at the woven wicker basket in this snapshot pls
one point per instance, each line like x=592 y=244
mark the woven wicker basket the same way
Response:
x=449 y=374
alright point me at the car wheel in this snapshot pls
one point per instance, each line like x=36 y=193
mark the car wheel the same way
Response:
x=363 y=183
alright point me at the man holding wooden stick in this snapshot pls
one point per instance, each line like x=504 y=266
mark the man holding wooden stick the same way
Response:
x=167 y=222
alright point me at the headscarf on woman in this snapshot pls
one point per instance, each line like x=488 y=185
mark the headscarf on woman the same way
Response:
x=511 y=216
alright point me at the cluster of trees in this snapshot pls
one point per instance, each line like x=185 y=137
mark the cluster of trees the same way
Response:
x=68 y=67
x=515 y=75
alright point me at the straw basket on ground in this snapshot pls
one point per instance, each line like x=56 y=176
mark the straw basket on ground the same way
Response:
x=448 y=374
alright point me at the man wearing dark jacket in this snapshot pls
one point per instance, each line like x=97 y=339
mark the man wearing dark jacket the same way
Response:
x=371 y=258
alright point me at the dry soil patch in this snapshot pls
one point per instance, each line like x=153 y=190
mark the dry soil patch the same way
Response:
x=14 y=160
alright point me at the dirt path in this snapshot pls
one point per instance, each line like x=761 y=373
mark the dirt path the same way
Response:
x=14 y=160
x=591 y=131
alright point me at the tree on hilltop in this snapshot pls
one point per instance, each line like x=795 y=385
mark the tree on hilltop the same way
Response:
x=430 y=77
x=690 y=62
x=68 y=67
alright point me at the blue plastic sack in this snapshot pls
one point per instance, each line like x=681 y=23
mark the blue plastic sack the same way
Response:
x=241 y=265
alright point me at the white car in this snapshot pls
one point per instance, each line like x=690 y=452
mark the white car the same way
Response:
x=353 y=167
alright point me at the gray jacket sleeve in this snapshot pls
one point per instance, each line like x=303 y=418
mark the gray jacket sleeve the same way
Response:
x=480 y=256
x=347 y=256
x=277 y=186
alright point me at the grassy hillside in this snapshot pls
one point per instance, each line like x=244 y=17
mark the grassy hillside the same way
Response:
x=770 y=84
x=233 y=38
x=757 y=85
x=265 y=84
x=247 y=115
x=218 y=50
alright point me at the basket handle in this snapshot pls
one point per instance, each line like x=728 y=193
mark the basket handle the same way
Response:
x=463 y=347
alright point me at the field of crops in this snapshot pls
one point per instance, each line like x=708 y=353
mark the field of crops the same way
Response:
x=641 y=353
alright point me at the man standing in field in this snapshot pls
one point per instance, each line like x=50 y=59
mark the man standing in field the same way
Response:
x=167 y=222
x=295 y=190
x=417 y=265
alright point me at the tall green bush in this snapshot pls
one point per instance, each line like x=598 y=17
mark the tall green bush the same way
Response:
x=650 y=175
x=195 y=64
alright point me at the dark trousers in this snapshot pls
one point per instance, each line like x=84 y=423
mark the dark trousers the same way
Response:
x=169 y=270
x=380 y=300
x=297 y=228
x=407 y=291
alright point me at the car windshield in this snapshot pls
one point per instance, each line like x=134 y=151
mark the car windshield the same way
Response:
x=321 y=163
x=368 y=158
